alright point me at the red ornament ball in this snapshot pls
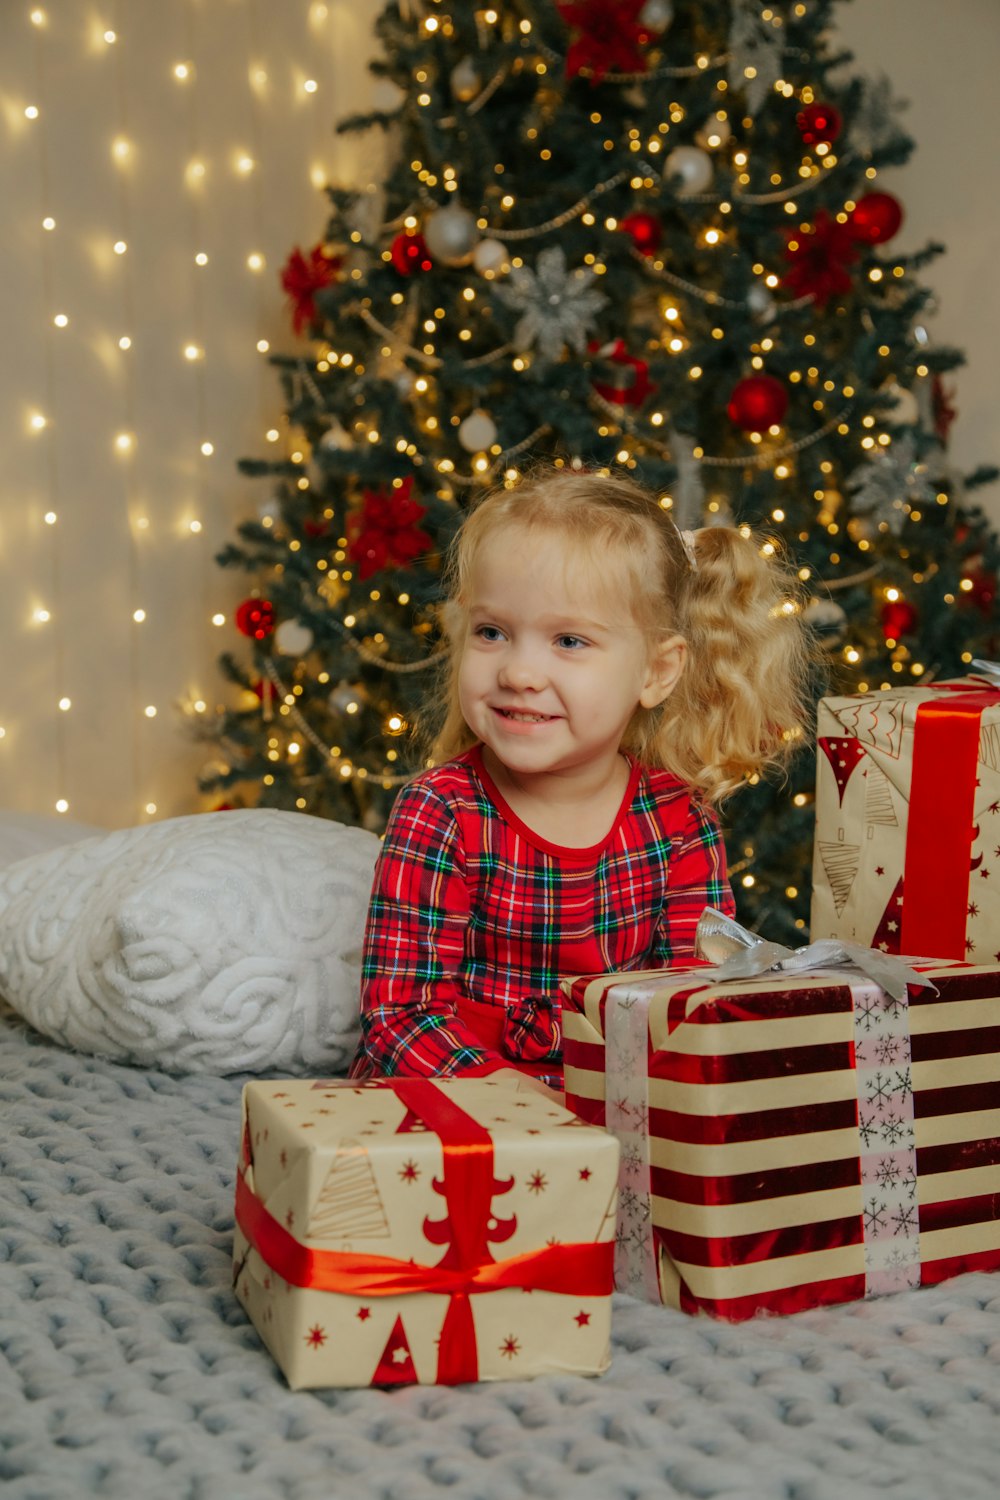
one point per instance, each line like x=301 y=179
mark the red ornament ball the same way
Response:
x=876 y=218
x=819 y=124
x=409 y=254
x=757 y=403
x=898 y=618
x=645 y=231
x=255 y=618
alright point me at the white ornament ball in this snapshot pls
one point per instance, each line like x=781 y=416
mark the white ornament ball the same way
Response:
x=906 y=408
x=405 y=381
x=336 y=437
x=387 y=96
x=826 y=616
x=714 y=133
x=692 y=165
x=346 y=698
x=292 y=638
x=760 y=303
x=465 y=80
x=477 y=432
x=657 y=14
x=451 y=235
x=490 y=256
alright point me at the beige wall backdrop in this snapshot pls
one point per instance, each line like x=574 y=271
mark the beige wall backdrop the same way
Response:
x=159 y=159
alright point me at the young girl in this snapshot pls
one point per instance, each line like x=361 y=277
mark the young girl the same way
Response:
x=608 y=680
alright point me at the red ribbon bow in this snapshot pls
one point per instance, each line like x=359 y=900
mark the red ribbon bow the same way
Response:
x=583 y=1270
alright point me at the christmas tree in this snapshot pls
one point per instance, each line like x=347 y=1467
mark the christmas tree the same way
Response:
x=636 y=233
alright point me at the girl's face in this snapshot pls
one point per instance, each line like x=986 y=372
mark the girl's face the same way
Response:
x=553 y=669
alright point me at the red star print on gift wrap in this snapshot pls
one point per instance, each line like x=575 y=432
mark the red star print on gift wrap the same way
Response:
x=879 y=870
x=537 y=1182
x=843 y=752
x=409 y=1171
x=582 y=1318
x=363 y=1314
x=510 y=1347
x=585 y=1174
x=316 y=1337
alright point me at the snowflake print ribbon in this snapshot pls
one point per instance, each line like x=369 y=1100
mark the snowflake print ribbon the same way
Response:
x=627 y=1117
x=888 y=1141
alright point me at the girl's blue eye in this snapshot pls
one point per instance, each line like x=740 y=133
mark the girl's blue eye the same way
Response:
x=570 y=642
x=489 y=632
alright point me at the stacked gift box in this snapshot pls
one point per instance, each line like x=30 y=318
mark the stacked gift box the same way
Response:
x=908 y=820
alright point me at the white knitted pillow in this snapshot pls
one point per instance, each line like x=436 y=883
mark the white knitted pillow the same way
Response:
x=220 y=943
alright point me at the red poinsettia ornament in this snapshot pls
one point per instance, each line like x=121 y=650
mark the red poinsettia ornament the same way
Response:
x=818 y=256
x=303 y=277
x=384 y=533
x=609 y=37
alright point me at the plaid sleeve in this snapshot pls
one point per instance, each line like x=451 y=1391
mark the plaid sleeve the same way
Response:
x=696 y=878
x=411 y=990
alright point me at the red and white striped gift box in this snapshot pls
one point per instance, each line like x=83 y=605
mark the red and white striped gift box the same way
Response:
x=791 y=1141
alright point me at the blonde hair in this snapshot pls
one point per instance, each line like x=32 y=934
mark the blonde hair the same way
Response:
x=739 y=707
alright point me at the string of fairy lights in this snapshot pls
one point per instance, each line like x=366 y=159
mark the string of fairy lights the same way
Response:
x=166 y=462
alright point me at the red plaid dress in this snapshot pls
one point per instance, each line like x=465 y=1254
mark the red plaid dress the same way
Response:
x=474 y=918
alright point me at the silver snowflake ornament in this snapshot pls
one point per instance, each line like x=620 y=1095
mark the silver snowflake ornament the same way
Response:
x=756 y=52
x=874 y=124
x=557 y=306
x=886 y=485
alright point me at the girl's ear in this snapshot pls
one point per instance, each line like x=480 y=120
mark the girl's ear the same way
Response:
x=663 y=673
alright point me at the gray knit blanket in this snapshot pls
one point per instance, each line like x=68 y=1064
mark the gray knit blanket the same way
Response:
x=127 y=1368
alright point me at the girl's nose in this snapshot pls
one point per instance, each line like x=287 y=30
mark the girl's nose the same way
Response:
x=520 y=670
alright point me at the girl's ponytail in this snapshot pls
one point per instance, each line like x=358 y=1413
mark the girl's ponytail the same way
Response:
x=740 y=705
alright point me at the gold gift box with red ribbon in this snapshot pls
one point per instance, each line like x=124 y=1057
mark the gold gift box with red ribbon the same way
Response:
x=793 y=1140
x=907 y=849
x=417 y=1230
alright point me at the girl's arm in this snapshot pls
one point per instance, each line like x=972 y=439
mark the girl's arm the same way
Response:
x=411 y=990
x=696 y=878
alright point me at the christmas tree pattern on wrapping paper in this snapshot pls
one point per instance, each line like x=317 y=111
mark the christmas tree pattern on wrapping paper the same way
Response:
x=844 y=754
x=876 y=722
x=840 y=863
x=396 y=1364
x=349 y=1206
x=878 y=799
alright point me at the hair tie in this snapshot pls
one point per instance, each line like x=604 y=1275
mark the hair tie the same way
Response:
x=687 y=542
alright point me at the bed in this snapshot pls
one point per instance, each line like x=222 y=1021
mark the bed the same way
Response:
x=129 y=1369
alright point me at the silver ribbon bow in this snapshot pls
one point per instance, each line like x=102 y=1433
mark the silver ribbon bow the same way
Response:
x=989 y=669
x=737 y=953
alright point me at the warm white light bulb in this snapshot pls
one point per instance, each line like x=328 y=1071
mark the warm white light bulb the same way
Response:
x=119 y=247
x=181 y=71
x=31 y=112
x=48 y=222
x=110 y=37
x=50 y=518
x=125 y=342
x=60 y=320
x=201 y=259
x=138 y=615
x=38 y=18
x=65 y=704
x=36 y=421
x=262 y=346
x=151 y=808
x=194 y=526
x=218 y=619
x=62 y=805
x=310 y=85
x=207 y=449
x=150 y=711
x=123 y=442
x=191 y=351
x=255 y=261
